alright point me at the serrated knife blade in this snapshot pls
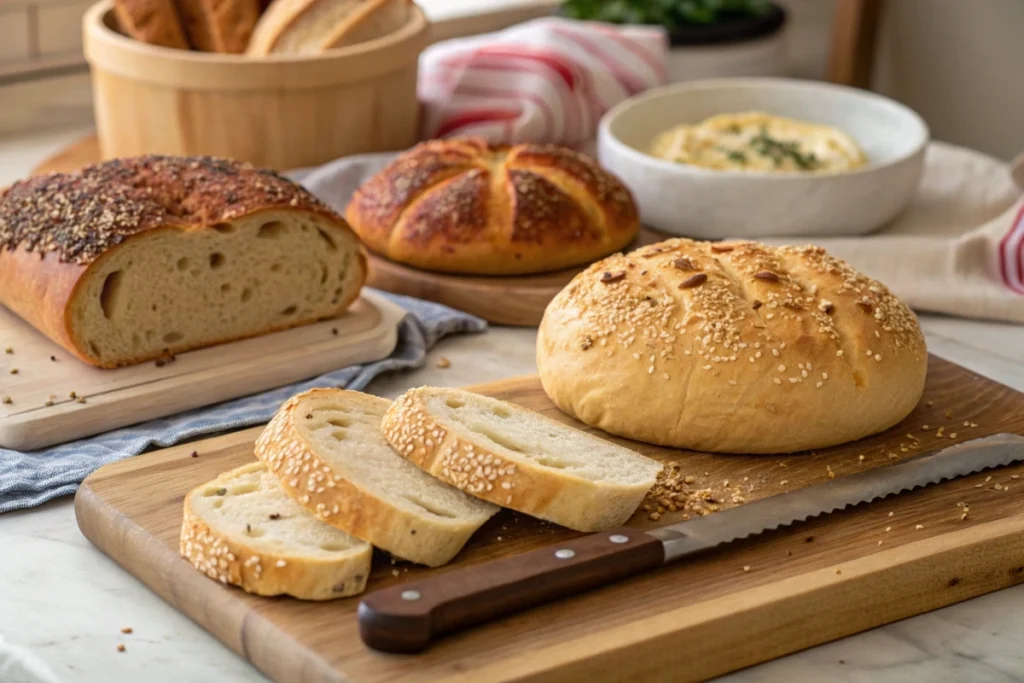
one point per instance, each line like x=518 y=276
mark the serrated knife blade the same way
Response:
x=406 y=618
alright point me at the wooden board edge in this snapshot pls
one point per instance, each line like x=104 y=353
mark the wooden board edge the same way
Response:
x=271 y=650
x=31 y=431
x=940 y=571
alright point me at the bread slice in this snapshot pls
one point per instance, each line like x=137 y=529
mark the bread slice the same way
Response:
x=242 y=529
x=518 y=458
x=326 y=448
x=155 y=22
x=219 y=25
x=312 y=26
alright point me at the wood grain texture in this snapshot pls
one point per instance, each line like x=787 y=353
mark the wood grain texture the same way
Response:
x=116 y=398
x=746 y=603
x=71 y=158
x=516 y=300
x=851 y=56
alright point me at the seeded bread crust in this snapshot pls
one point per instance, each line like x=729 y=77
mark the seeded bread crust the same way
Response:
x=464 y=206
x=155 y=22
x=55 y=228
x=468 y=464
x=736 y=347
x=231 y=561
x=313 y=484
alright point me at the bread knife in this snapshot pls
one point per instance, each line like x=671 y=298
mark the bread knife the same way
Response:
x=408 y=617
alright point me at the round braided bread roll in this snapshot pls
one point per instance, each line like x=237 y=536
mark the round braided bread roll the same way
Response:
x=464 y=206
x=731 y=347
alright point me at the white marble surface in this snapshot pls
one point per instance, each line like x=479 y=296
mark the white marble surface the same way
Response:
x=67 y=602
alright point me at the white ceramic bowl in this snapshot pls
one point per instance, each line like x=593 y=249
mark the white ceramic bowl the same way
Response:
x=709 y=204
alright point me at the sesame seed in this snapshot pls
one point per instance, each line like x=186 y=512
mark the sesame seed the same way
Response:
x=919 y=527
x=280 y=563
x=839 y=353
x=777 y=380
x=782 y=368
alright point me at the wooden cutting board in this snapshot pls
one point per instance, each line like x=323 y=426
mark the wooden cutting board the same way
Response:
x=46 y=373
x=744 y=604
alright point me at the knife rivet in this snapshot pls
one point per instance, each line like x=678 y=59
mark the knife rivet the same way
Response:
x=410 y=595
x=618 y=538
x=564 y=554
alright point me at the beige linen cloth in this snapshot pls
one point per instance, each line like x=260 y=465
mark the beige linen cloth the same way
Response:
x=957 y=249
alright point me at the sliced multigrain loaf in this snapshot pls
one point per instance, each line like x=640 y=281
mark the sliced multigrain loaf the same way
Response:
x=219 y=25
x=518 y=458
x=155 y=22
x=312 y=26
x=134 y=259
x=326 y=448
x=242 y=529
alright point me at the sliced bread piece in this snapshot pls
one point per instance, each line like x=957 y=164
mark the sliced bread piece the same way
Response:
x=518 y=458
x=326 y=448
x=242 y=529
x=312 y=26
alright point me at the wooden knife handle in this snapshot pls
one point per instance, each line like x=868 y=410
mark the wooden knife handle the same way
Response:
x=407 y=617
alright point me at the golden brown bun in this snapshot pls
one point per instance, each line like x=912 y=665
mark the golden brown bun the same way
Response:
x=463 y=206
x=155 y=22
x=219 y=25
x=735 y=347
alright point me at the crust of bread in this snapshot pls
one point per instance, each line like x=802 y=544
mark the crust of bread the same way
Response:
x=283 y=16
x=464 y=206
x=40 y=284
x=344 y=505
x=264 y=573
x=223 y=26
x=362 y=25
x=155 y=22
x=736 y=347
x=468 y=464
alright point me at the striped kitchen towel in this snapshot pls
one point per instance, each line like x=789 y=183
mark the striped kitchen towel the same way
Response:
x=548 y=80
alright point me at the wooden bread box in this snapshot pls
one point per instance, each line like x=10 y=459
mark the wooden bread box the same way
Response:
x=281 y=112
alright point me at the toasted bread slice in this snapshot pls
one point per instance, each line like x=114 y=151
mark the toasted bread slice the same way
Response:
x=518 y=458
x=242 y=529
x=326 y=448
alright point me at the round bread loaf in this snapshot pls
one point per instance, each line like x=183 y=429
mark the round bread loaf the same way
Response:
x=731 y=347
x=463 y=206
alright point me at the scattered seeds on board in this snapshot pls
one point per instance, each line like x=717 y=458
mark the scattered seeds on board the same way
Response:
x=919 y=527
x=8 y=400
x=838 y=570
x=127 y=629
x=14 y=371
x=72 y=394
x=746 y=567
x=53 y=359
x=443 y=363
x=890 y=514
x=831 y=474
x=81 y=399
x=9 y=350
x=121 y=647
x=194 y=454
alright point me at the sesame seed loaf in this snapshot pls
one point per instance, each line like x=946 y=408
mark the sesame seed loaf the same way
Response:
x=155 y=22
x=312 y=26
x=731 y=347
x=326 y=447
x=223 y=26
x=518 y=458
x=135 y=259
x=241 y=529
x=464 y=206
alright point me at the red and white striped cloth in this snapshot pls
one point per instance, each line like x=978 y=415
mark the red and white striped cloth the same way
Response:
x=548 y=80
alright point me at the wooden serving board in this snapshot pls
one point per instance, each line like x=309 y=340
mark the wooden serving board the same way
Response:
x=746 y=603
x=46 y=373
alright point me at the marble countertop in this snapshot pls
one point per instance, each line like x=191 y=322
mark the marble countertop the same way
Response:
x=67 y=602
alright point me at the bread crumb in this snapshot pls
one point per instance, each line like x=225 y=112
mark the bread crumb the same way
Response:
x=394 y=572
x=9 y=350
x=53 y=359
x=988 y=478
x=127 y=629
x=443 y=363
x=879 y=543
x=121 y=647
x=194 y=454
x=888 y=529
x=81 y=399
x=8 y=400
x=890 y=514
x=861 y=457
x=831 y=474
x=334 y=331
x=746 y=567
x=919 y=527
x=838 y=570
x=14 y=371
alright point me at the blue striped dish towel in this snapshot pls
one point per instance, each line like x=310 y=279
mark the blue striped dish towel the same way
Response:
x=30 y=479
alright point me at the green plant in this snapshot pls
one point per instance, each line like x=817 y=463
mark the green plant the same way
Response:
x=669 y=13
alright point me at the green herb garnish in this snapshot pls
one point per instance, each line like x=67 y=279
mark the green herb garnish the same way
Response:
x=779 y=150
x=673 y=14
x=737 y=156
